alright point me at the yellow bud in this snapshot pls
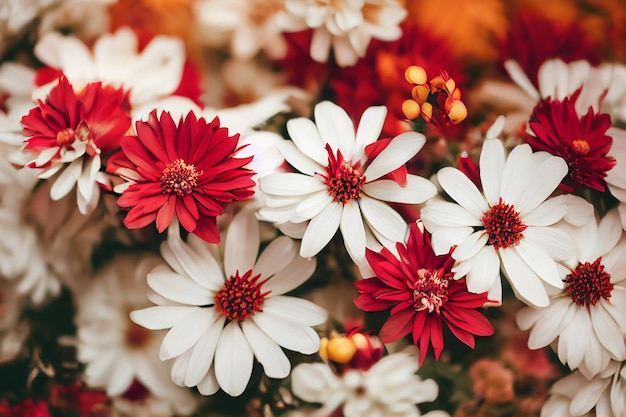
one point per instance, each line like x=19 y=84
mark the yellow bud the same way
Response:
x=415 y=75
x=420 y=93
x=340 y=349
x=324 y=348
x=411 y=109
x=450 y=85
x=457 y=112
x=427 y=111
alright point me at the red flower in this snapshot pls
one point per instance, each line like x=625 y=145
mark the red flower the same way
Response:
x=30 y=408
x=581 y=141
x=68 y=124
x=188 y=170
x=420 y=291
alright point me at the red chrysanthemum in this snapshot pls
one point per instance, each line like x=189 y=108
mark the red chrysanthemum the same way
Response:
x=91 y=121
x=421 y=294
x=581 y=141
x=188 y=170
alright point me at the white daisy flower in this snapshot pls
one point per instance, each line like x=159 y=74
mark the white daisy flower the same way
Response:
x=347 y=26
x=342 y=181
x=149 y=75
x=248 y=25
x=13 y=328
x=577 y=396
x=593 y=303
x=16 y=80
x=389 y=388
x=506 y=224
x=221 y=317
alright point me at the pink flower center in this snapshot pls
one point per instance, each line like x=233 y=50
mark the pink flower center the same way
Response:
x=344 y=181
x=431 y=290
x=503 y=225
x=240 y=297
x=588 y=283
x=179 y=177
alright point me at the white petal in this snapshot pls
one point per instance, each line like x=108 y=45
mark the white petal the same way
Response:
x=268 y=353
x=370 y=126
x=321 y=229
x=462 y=190
x=276 y=256
x=242 y=244
x=299 y=270
x=178 y=288
x=290 y=184
x=179 y=368
x=233 y=360
x=518 y=75
x=335 y=127
x=298 y=310
x=610 y=231
x=299 y=160
x=580 y=325
x=305 y=136
x=608 y=333
x=485 y=271
x=203 y=352
x=399 y=150
x=385 y=220
x=120 y=379
x=550 y=324
x=470 y=246
x=540 y=263
x=66 y=181
x=526 y=284
x=549 y=212
x=311 y=206
x=185 y=334
x=287 y=334
x=313 y=381
x=448 y=214
x=209 y=385
x=444 y=238
x=353 y=231
x=161 y=317
x=416 y=190
x=556 y=243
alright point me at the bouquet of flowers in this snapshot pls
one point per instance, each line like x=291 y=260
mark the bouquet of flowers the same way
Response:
x=342 y=208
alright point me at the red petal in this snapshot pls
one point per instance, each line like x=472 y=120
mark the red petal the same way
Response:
x=397 y=325
x=166 y=214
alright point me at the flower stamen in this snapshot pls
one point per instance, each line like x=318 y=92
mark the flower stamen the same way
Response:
x=344 y=181
x=588 y=283
x=503 y=226
x=431 y=290
x=179 y=178
x=240 y=297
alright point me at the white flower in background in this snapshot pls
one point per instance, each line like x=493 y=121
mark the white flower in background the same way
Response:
x=342 y=181
x=15 y=15
x=13 y=328
x=577 y=396
x=616 y=177
x=17 y=81
x=593 y=303
x=149 y=75
x=507 y=224
x=248 y=25
x=116 y=351
x=47 y=241
x=347 y=26
x=222 y=317
x=389 y=388
x=85 y=19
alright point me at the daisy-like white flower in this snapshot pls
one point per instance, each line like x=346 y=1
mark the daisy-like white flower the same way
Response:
x=506 y=224
x=249 y=25
x=593 y=303
x=16 y=80
x=347 y=26
x=577 y=396
x=70 y=133
x=13 y=328
x=153 y=73
x=188 y=170
x=419 y=289
x=582 y=141
x=118 y=353
x=221 y=317
x=389 y=388
x=344 y=181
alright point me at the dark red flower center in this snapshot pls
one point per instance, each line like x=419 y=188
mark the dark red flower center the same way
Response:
x=344 y=181
x=179 y=177
x=503 y=225
x=240 y=297
x=588 y=283
x=431 y=290
x=136 y=336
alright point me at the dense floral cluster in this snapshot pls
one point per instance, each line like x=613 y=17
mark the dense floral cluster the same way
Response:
x=324 y=208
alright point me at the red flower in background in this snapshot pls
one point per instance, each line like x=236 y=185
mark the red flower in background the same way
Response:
x=421 y=294
x=581 y=141
x=187 y=170
x=533 y=39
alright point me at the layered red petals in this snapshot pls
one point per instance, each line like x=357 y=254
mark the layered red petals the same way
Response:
x=581 y=141
x=188 y=170
x=418 y=290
